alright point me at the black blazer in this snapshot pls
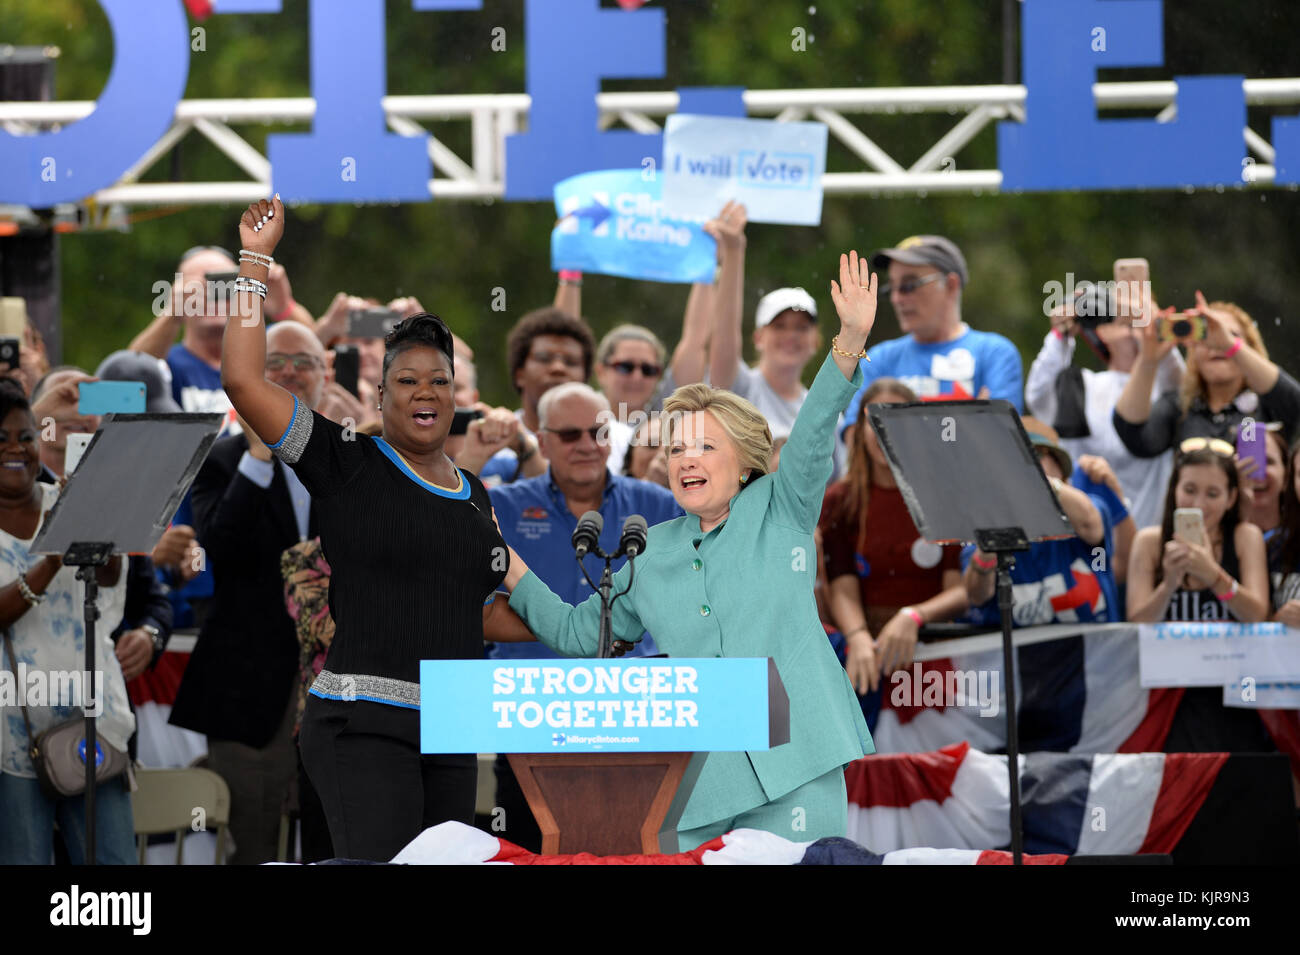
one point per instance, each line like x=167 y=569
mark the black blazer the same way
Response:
x=245 y=663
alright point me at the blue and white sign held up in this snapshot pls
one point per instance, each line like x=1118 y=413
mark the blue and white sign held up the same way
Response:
x=614 y=223
x=775 y=169
x=656 y=705
x=1217 y=654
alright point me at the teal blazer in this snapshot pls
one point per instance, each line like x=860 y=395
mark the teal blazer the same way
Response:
x=745 y=591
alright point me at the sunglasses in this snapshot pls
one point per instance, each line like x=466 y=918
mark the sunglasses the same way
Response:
x=300 y=362
x=1217 y=445
x=648 y=370
x=908 y=286
x=571 y=435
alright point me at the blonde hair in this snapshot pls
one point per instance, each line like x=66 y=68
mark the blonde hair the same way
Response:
x=1193 y=385
x=744 y=424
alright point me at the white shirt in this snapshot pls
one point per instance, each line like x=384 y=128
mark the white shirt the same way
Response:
x=1144 y=480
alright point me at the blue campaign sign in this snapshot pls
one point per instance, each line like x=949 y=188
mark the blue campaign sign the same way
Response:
x=651 y=705
x=613 y=223
x=1063 y=145
x=775 y=169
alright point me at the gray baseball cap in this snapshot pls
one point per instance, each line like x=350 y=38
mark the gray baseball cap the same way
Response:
x=127 y=365
x=924 y=250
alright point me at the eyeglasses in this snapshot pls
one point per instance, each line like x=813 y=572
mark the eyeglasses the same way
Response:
x=300 y=362
x=910 y=285
x=1217 y=445
x=648 y=370
x=571 y=435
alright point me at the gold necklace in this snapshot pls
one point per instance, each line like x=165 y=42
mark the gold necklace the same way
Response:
x=460 y=481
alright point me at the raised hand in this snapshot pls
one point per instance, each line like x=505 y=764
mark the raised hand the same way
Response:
x=1217 y=328
x=262 y=225
x=728 y=229
x=855 y=301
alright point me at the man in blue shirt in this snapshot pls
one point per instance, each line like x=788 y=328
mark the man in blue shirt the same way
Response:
x=538 y=516
x=939 y=356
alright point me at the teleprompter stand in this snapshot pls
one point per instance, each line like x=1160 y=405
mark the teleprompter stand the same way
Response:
x=111 y=505
x=968 y=473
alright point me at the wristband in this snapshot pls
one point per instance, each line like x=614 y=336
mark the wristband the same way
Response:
x=985 y=566
x=857 y=630
x=1237 y=342
x=915 y=615
x=570 y=277
x=285 y=314
x=1232 y=589
x=32 y=598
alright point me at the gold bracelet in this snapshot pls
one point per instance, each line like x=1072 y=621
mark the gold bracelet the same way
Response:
x=835 y=347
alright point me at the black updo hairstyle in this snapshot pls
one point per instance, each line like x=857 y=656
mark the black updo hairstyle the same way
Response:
x=12 y=397
x=419 y=330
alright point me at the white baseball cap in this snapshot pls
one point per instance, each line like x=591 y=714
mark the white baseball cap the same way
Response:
x=783 y=300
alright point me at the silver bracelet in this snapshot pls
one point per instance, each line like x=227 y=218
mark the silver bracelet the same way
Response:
x=257 y=258
x=245 y=284
x=29 y=595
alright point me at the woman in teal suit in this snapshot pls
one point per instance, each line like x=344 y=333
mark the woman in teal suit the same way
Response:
x=734 y=577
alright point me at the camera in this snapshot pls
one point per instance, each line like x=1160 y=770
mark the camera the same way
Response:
x=1094 y=304
x=1188 y=326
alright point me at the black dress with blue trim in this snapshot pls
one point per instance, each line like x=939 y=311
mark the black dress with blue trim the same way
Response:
x=412 y=563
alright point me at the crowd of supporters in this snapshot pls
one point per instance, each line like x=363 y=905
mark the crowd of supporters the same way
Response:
x=1122 y=449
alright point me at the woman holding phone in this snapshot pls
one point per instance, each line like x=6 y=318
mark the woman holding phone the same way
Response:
x=1214 y=572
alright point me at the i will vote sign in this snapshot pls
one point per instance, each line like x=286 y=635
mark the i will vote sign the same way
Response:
x=640 y=705
x=1217 y=654
x=775 y=169
x=614 y=223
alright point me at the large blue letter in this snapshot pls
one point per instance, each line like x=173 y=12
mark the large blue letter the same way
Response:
x=348 y=157
x=151 y=59
x=1286 y=141
x=571 y=45
x=1062 y=144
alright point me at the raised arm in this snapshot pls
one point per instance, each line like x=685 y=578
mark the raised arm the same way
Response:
x=161 y=333
x=568 y=292
x=266 y=407
x=806 y=459
x=728 y=295
x=691 y=356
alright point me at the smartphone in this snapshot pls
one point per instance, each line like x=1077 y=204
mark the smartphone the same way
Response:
x=1256 y=449
x=1185 y=327
x=111 y=397
x=13 y=323
x=347 y=367
x=1189 y=524
x=1132 y=279
x=77 y=444
x=13 y=317
x=217 y=291
x=461 y=419
x=372 y=322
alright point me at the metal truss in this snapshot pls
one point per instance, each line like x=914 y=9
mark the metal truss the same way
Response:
x=491 y=117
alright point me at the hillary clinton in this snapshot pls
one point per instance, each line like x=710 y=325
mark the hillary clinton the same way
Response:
x=734 y=577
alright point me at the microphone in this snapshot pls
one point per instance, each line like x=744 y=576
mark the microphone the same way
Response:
x=587 y=533
x=632 y=541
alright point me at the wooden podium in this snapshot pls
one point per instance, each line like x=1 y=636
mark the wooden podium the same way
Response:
x=608 y=795
x=633 y=790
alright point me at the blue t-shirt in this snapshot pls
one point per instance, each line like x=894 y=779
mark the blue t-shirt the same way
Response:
x=1059 y=581
x=946 y=370
x=196 y=387
x=536 y=521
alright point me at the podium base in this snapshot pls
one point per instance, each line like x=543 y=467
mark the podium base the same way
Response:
x=602 y=803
